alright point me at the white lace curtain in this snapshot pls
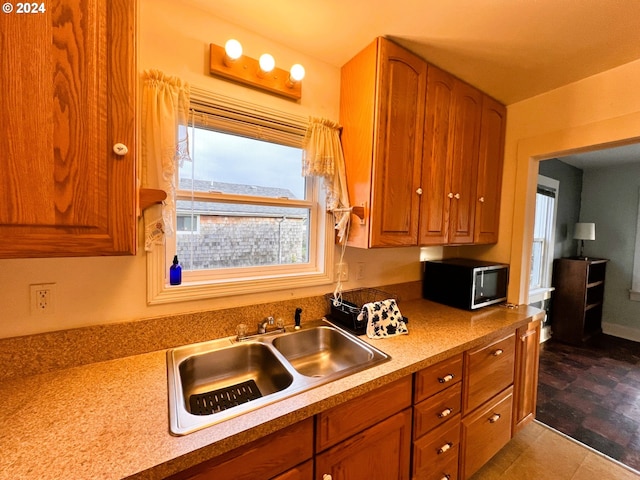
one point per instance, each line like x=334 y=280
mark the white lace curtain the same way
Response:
x=323 y=158
x=165 y=111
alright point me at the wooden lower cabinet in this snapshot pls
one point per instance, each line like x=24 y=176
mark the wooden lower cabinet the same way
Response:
x=435 y=455
x=303 y=471
x=381 y=451
x=525 y=392
x=442 y=423
x=367 y=437
x=488 y=370
x=267 y=457
x=485 y=432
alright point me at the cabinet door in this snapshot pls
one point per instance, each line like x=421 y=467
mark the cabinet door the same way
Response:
x=382 y=451
x=525 y=383
x=464 y=147
x=397 y=162
x=490 y=165
x=434 y=209
x=68 y=83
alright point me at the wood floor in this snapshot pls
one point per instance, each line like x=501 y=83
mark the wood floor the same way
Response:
x=592 y=394
x=540 y=453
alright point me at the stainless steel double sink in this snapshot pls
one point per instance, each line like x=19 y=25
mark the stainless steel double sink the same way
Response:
x=213 y=381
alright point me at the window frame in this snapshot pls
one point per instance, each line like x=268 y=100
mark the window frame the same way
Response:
x=198 y=285
x=547 y=257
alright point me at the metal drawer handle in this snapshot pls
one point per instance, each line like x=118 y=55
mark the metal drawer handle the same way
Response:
x=326 y=476
x=444 y=448
x=445 y=413
x=446 y=378
x=494 y=418
x=446 y=477
x=498 y=352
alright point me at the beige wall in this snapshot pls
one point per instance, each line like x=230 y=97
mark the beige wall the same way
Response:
x=595 y=112
x=91 y=291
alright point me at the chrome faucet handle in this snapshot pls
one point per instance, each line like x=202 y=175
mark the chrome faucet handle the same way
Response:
x=241 y=331
x=262 y=325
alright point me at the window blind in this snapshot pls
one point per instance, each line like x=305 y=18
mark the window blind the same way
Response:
x=218 y=112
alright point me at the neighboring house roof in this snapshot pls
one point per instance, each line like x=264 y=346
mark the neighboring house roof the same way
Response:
x=235 y=209
x=235 y=188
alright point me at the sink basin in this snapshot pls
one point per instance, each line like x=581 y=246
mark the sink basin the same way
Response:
x=219 y=379
x=323 y=351
x=211 y=382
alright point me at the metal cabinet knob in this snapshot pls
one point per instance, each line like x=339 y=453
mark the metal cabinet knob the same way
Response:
x=120 y=149
x=457 y=196
x=326 y=476
x=450 y=195
x=444 y=448
x=445 y=413
x=481 y=199
x=498 y=352
x=494 y=418
x=419 y=191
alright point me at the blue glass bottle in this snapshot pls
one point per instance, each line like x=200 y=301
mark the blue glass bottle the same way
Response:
x=175 y=272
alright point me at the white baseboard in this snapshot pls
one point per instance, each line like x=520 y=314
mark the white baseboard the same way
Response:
x=622 y=331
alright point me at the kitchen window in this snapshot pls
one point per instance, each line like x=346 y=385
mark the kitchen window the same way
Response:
x=246 y=219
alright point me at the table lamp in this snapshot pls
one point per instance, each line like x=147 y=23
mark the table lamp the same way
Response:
x=582 y=232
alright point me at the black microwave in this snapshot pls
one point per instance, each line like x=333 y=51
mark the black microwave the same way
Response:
x=464 y=282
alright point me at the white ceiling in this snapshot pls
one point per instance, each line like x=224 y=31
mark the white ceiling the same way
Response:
x=607 y=157
x=511 y=49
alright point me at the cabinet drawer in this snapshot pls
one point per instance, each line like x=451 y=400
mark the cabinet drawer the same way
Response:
x=293 y=445
x=436 y=454
x=342 y=421
x=434 y=411
x=488 y=370
x=485 y=432
x=303 y=471
x=437 y=377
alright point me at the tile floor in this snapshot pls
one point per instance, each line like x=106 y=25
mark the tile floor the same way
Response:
x=540 y=453
x=593 y=395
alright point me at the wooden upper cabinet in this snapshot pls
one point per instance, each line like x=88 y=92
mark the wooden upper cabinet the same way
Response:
x=490 y=165
x=382 y=100
x=68 y=82
x=450 y=164
x=436 y=163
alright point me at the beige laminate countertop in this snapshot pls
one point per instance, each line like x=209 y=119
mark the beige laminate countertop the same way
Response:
x=109 y=420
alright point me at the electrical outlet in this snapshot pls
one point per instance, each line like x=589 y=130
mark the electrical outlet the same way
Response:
x=342 y=272
x=42 y=297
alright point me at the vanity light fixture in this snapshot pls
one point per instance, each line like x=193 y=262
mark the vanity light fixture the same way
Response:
x=267 y=64
x=230 y=63
x=233 y=51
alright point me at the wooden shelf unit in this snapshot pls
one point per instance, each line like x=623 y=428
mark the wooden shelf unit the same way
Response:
x=577 y=301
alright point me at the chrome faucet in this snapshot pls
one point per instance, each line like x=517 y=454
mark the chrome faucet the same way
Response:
x=262 y=325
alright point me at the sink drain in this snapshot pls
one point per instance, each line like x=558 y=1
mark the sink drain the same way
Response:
x=224 y=398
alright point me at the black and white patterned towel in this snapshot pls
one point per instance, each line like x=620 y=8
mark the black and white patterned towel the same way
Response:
x=383 y=319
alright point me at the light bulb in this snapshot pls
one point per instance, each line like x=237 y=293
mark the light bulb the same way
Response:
x=267 y=63
x=233 y=49
x=297 y=72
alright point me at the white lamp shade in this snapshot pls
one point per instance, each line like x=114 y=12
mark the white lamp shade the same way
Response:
x=585 y=231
